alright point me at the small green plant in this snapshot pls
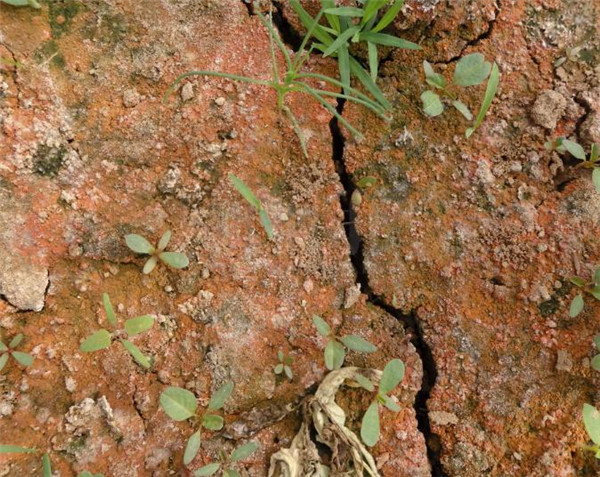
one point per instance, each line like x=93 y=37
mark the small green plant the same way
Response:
x=352 y=25
x=335 y=350
x=242 y=452
x=596 y=359
x=180 y=404
x=471 y=70
x=87 y=473
x=590 y=288
x=22 y=3
x=294 y=81
x=563 y=145
x=5 y=351
x=102 y=338
x=392 y=375
x=284 y=365
x=247 y=194
x=139 y=244
x=591 y=420
x=361 y=187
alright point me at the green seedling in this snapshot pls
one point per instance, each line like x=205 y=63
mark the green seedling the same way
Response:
x=102 y=338
x=392 y=375
x=247 y=194
x=591 y=421
x=335 y=350
x=180 y=404
x=139 y=244
x=293 y=80
x=242 y=452
x=563 y=145
x=361 y=187
x=348 y=26
x=589 y=288
x=22 y=3
x=5 y=351
x=596 y=359
x=87 y=473
x=471 y=70
x=284 y=365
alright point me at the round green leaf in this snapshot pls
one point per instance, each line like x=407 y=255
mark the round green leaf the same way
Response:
x=364 y=382
x=369 y=429
x=207 y=470
x=288 y=372
x=179 y=404
x=393 y=373
x=391 y=404
x=174 y=259
x=356 y=343
x=164 y=240
x=213 y=422
x=3 y=347
x=278 y=369
x=3 y=360
x=139 y=324
x=597 y=341
x=244 y=451
x=139 y=244
x=596 y=362
x=576 y=306
x=574 y=149
x=463 y=109
x=432 y=105
x=16 y=341
x=192 y=448
x=137 y=355
x=24 y=358
x=471 y=70
x=434 y=79
x=321 y=325
x=96 y=341
x=577 y=281
x=149 y=265
x=217 y=401
x=334 y=355
x=591 y=420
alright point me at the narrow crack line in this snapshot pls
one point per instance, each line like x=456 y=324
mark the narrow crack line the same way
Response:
x=588 y=110
x=15 y=72
x=409 y=321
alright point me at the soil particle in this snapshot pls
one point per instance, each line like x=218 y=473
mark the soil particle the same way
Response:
x=590 y=128
x=22 y=282
x=548 y=108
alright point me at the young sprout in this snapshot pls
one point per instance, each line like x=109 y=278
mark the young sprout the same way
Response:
x=392 y=375
x=180 y=404
x=563 y=145
x=471 y=70
x=284 y=365
x=361 y=187
x=590 y=288
x=102 y=338
x=247 y=194
x=242 y=452
x=335 y=350
x=591 y=421
x=5 y=351
x=596 y=359
x=139 y=244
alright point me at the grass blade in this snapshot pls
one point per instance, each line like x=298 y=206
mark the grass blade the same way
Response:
x=373 y=60
x=389 y=40
x=297 y=130
x=358 y=71
x=389 y=16
x=490 y=92
x=342 y=39
x=344 y=65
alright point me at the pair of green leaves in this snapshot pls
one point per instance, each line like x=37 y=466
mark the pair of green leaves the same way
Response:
x=247 y=194
x=22 y=3
x=102 y=338
x=335 y=350
x=563 y=145
x=180 y=404
x=5 y=351
x=471 y=70
x=392 y=375
x=240 y=453
x=349 y=25
x=591 y=421
x=139 y=244
x=284 y=365
x=591 y=288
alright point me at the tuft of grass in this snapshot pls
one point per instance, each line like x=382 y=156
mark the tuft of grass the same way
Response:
x=102 y=338
x=140 y=245
x=471 y=70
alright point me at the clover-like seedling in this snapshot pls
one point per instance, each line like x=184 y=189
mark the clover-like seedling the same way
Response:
x=591 y=421
x=102 y=338
x=563 y=145
x=247 y=194
x=361 y=187
x=140 y=245
x=22 y=3
x=5 y=351
x=284 y=365
x=180 y=404
x=335 y=350
x=240 y=453
x=392 y=375
x=352 y=25
x=590 y=288
x=471 y=70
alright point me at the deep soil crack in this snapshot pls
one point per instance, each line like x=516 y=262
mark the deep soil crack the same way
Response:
x=409 y=321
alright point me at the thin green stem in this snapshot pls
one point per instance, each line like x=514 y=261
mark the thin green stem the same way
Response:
x=333 y=111
x=278 y=41
x=297 y=129
x=243 y=79
x=297 y=61
x=375 y=108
